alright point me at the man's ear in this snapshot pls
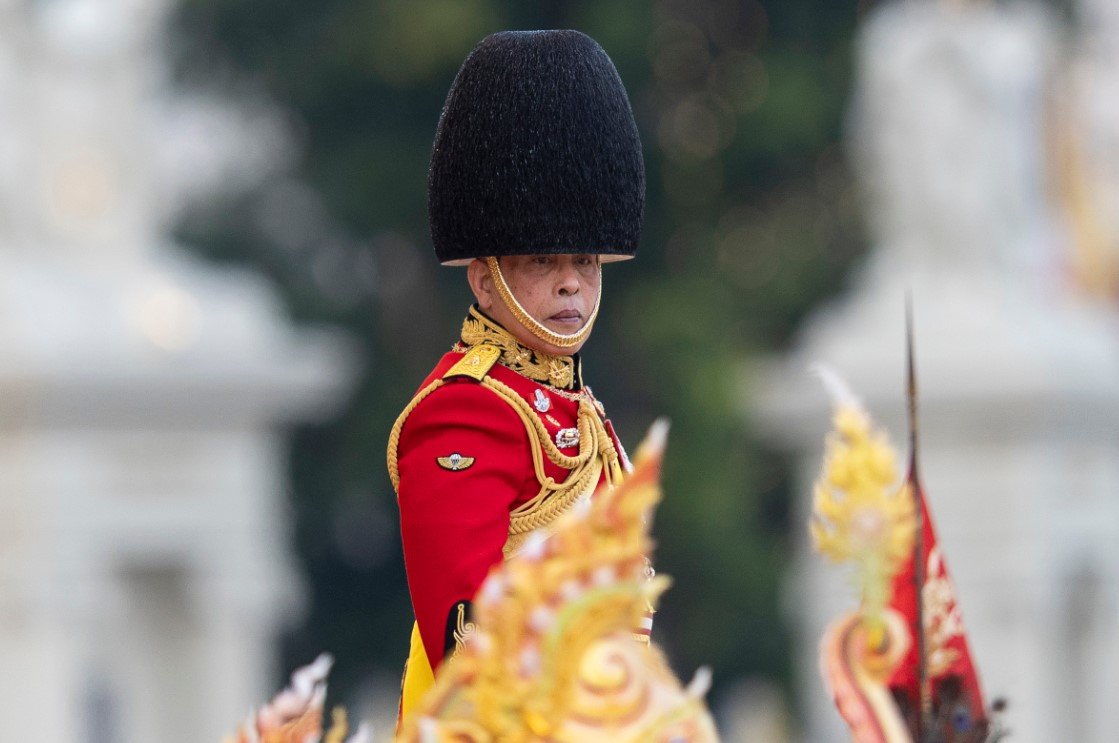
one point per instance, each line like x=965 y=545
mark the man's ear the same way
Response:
x=481 y=283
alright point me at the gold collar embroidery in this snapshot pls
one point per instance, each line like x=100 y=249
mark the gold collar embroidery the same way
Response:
x=558 y=371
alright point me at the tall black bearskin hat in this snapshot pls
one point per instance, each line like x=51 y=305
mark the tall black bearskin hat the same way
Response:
x=536 y=152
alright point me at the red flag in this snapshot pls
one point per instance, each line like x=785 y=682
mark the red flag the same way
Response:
x=952 y=701
x=936 y=685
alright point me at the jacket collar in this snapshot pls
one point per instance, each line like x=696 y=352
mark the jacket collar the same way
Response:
x=562 y=372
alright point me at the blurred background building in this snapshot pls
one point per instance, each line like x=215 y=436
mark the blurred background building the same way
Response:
x=986 y=204
x=145 y=542
x=190 y=187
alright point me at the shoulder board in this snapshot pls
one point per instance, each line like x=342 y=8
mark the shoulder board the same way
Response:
x=476 y=364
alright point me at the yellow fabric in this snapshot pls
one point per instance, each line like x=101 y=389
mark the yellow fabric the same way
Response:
x=418 y=676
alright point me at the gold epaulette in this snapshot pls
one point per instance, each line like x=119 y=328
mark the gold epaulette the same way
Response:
x=476 y=364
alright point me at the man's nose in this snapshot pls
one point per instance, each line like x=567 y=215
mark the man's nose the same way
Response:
x=568 y=280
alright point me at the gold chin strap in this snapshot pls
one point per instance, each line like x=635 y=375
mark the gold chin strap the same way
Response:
x=531 y=323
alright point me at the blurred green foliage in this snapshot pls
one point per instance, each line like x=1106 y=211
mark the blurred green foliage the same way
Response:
x=751 y=222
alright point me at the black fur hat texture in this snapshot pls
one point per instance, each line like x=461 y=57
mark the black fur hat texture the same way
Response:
x=536 y=152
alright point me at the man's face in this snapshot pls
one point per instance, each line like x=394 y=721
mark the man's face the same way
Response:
x=558 y=291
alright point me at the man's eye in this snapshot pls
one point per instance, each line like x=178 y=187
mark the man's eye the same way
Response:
x=542 y=260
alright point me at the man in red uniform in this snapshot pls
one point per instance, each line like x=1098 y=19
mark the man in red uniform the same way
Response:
x=536 y=180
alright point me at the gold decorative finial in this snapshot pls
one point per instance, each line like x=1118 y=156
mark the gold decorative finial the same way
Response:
x=553 y=655
x=862 y=514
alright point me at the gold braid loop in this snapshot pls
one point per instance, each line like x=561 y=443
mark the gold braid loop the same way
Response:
x=546 y=509
x=596 y=455
x=539 y=433
x=609 y=454
x=554 y=498
x=394 y=434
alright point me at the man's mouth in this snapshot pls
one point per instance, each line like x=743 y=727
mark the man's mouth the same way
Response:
x=568 y=317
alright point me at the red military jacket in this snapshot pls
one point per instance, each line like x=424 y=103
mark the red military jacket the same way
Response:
x=498 y=442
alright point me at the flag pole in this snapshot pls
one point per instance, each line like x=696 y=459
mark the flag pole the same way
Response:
x=924 y=717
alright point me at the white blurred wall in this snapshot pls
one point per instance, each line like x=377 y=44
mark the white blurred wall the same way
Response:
x=145 y=563
x=1018 y=368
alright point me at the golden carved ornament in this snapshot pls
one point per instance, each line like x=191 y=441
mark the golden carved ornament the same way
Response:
x=552 y=656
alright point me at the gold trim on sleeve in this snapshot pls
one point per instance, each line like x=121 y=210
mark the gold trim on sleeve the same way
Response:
x=394 y=434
